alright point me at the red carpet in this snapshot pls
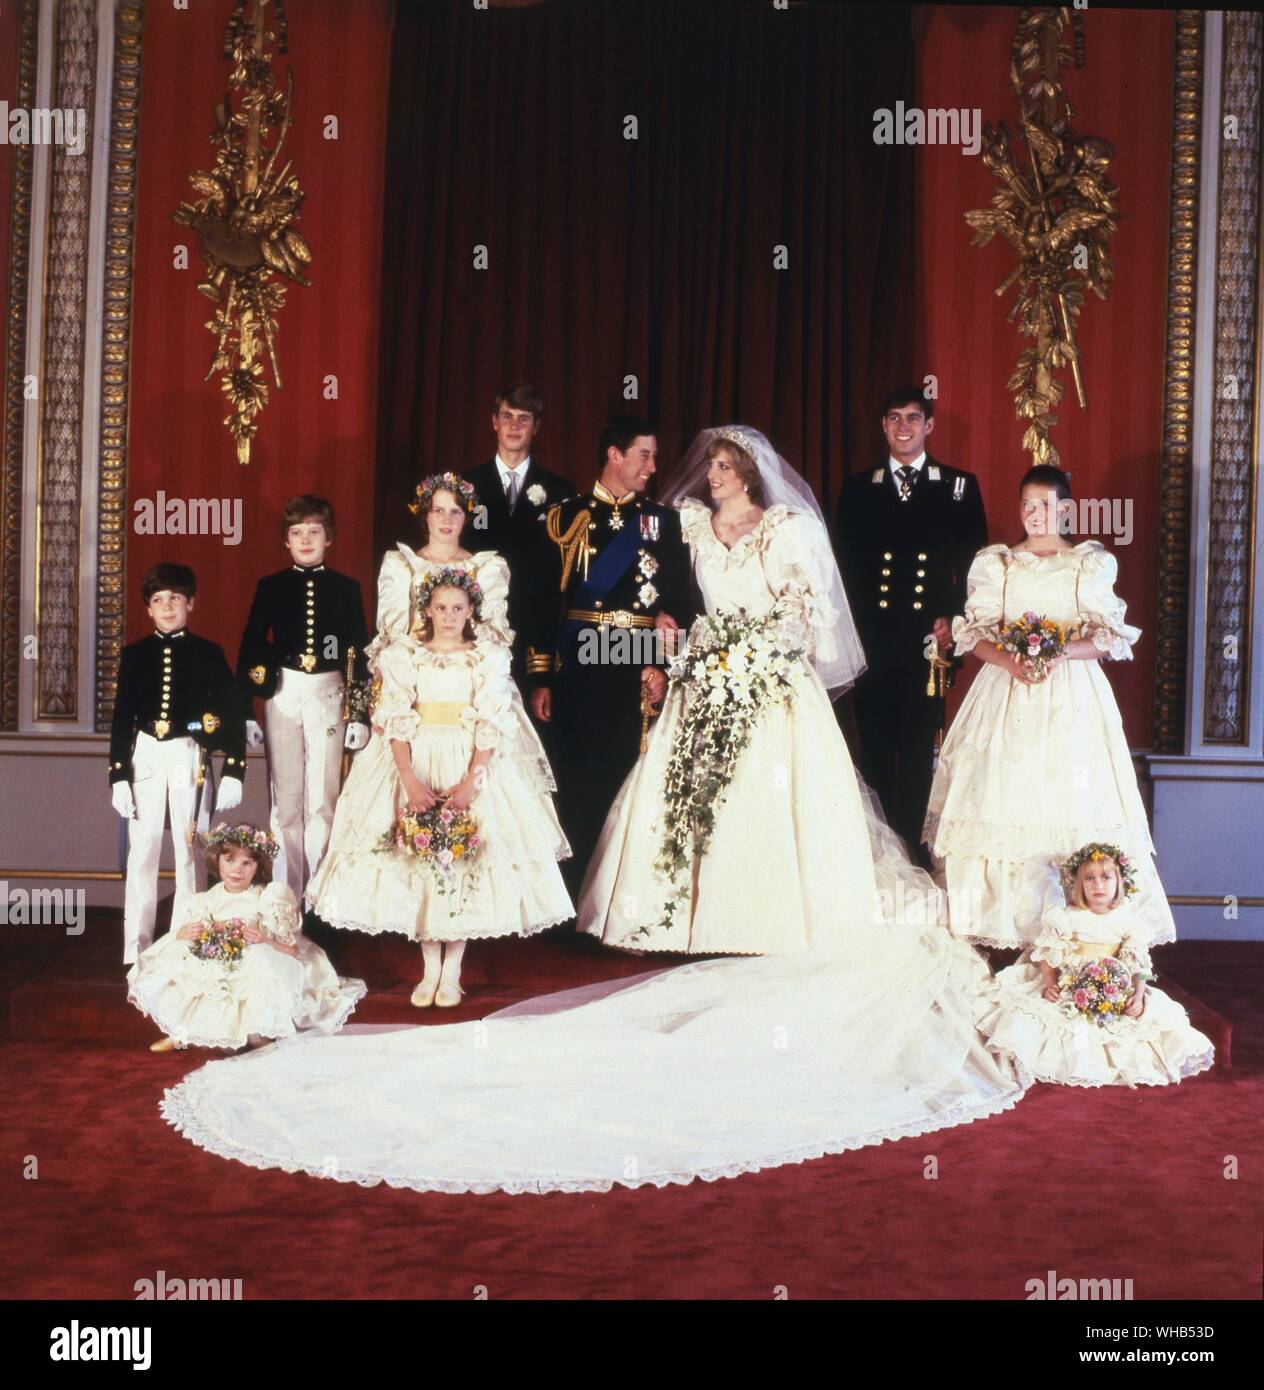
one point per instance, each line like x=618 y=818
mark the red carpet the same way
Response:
x=120 y=1195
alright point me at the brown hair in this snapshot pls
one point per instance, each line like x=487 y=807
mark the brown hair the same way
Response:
x=307 y=507
x=263 y=865
x=743 y=465
x=427 y=622
x=423 y=525
x=520 y=396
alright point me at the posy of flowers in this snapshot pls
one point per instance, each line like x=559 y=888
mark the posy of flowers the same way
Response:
x=221 y=942
x=1098 y=990
x=445 y=840
x=1035 y=641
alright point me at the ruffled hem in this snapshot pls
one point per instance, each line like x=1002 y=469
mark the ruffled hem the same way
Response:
x=459 y=931
x=961 y=838
x=335 y=1013
x=179 y=1109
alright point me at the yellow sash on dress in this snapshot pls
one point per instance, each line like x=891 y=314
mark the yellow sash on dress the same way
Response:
x=1096 y=950
x=444 y=712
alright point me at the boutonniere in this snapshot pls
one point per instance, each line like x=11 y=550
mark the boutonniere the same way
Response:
x=536 y=495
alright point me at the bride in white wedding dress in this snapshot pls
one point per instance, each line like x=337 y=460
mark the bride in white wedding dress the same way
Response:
x=706 y=1070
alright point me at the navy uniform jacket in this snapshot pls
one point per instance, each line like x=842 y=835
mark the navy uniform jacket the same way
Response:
x=303 y=618
x=173 y=685
x=904 y=564
x=653 y=541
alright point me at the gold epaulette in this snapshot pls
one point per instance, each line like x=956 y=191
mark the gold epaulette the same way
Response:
x=573 y=542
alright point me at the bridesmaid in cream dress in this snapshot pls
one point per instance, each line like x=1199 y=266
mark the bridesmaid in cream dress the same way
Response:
x=1032 y=769
x=793 y=816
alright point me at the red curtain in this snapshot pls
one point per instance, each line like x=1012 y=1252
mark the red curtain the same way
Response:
x=651 y=257
x=1112 y=449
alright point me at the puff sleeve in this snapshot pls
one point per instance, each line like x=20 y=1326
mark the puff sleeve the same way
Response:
x=1101 y=612
x=1054 y=943
x=491 y=710
x=394 y=598
x=195 y=908
x=394 y=711
x=794 y=566
x=279 y=914
x=985 y=600
x=492 y=572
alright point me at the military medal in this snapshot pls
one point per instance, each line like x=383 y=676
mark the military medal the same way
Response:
x=616 y=521
x=161 y=728
x=649 y=527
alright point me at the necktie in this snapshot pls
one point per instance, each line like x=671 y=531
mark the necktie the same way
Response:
x=512 y=485
x=906 y=476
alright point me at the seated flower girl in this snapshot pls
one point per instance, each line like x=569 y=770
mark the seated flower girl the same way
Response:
x=236 y=969
x=1077 y=1009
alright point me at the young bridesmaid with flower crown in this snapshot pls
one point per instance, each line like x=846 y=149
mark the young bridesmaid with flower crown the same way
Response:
x=446 y=829
x=235 y=969
x=1078 y=1009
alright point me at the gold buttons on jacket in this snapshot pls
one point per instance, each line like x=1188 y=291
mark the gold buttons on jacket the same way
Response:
x=882 y=588
x=886 y=555
x=916 y=604
x=921 y=554
x=921 y=574
x=917 y=588
x=885 y=573
x=882 y=603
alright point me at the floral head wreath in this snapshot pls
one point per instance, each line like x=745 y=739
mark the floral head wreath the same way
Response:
x=1097 y=850
x=451 y=579
x=443 y=482
x=246 y=835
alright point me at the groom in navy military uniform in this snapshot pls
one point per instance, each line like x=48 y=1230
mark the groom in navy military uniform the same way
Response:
x=610 y=562
x=906 y=534
x=515 y=492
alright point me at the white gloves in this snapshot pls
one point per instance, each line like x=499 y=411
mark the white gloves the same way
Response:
x=123 y=800
x=254 y=734
x=229 y=794
x=356 y=737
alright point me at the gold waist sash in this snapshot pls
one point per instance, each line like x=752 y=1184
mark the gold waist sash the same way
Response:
x=444 y=712
x=1095 y=950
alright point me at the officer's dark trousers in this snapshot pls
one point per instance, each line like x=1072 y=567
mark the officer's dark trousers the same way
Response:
x=897 y=722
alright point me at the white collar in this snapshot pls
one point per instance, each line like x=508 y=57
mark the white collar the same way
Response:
x=504 y=469
x=916 y=465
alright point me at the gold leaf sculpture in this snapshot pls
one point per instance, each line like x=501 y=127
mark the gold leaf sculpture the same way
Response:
x=244 y=212
x=1055 y=208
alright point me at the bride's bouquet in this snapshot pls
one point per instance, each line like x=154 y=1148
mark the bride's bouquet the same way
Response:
x=734 y=668
x=1035 y=641
x=442 y=839
x=221 y=942
x=1098 y=990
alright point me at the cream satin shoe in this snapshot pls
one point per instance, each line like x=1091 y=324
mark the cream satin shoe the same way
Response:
x=449 y=995
x=163 y=1045
x=424 y=995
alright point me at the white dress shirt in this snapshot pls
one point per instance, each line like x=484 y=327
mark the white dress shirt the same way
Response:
x=506 y=472
x=894 y=465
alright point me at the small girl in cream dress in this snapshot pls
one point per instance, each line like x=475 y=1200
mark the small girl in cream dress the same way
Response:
x=278 y=984
x=449 y=735
x=1035 y=1017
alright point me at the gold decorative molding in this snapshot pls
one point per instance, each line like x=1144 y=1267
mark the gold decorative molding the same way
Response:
x=116 y=353
x=1235 y=382
x=59 y=477
x=1176 y=466
x=14 y=371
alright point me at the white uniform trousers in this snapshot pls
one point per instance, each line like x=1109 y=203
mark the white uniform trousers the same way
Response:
x=303 y=731
x=164 y=774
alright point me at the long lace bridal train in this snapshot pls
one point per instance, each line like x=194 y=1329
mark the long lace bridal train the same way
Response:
x=706 y=1070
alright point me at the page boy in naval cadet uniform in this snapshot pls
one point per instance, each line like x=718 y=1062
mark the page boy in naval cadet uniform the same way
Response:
x=906 y=534
x=303 y=622
x=176 y=702
x=610 y=560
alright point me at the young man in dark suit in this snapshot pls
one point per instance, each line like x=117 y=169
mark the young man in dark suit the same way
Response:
x=906 y=534
x=515 y=493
